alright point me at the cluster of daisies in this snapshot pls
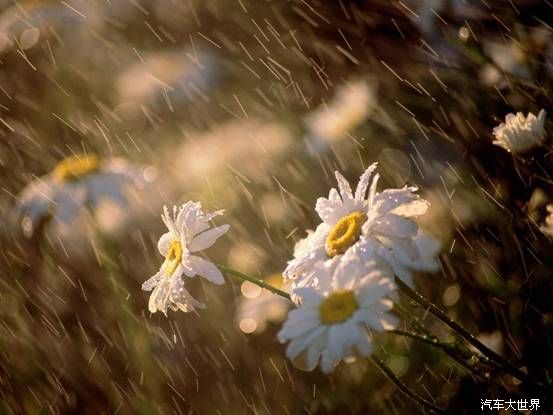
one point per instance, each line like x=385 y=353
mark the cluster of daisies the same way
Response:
x=341 y=276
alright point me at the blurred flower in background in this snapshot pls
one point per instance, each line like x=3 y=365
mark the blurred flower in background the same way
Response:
x=520 y=133
x=351 y=106
x=246 y=148
x=24 y=23
x=168 y=80
x=507 y=56
x=547 y=227
x=77 y=182
x=258 y=307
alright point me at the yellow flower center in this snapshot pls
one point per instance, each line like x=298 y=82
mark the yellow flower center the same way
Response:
x=173 y=258
x=345 y=233
x=338 y=307
x=73 y=167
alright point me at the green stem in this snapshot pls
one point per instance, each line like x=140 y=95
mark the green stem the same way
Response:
x=257 y=281
x=448 y=348
x=404 y=388
x=508 y=367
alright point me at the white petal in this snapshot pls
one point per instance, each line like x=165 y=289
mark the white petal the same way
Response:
x=299 y=322
x=334 y=196
x=69 y=198
x=364 y=343
x=206 y=269
x=328 y=361
x=326 y=210
x=314 y=353
x=299 y=344
x=343 y=185
x=159 y=299
x=374 y=289
x=391 y=199
x=205 y=239
x=393 y=225
x=151 y=282
x=164 y=242
x=338 y=338
x=167 y=219
x=416 y=208
x=372 y=191
x=181 y=299
x=364 y=180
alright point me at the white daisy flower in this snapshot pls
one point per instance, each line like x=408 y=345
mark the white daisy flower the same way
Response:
x=519 y=133
x=189 y=232
x=358 y=228
x=333 y=323
x=76 y=182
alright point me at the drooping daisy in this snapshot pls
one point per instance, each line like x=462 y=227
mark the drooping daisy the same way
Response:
x=189 y=233
x=520 y=133
x=358 y=227
x=334 y=321
x=76 y=182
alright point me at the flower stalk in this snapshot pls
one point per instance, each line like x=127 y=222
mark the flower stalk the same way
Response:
x=456 y=327
x=404 y=388
x=254 y=280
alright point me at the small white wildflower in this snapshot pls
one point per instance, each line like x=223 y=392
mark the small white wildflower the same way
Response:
x=519 y=133
x=75 y=183
x=358 y=228
x=334 y=321
x=189 y=232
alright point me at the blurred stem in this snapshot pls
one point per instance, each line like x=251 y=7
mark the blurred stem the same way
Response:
x=411 y=319
x=404 y=388
x=452 y=349
x=504 y=364
x=449 y=348
x=257 y=281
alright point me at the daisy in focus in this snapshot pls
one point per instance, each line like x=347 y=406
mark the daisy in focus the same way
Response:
x=334 y=321
x=519 y=133
x=361 y=227
x=76 y=182
x=189 y=232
